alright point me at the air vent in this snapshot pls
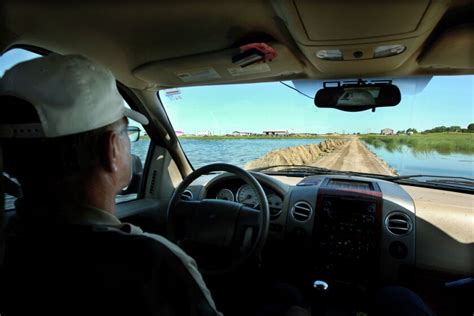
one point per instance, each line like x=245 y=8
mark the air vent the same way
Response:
x=398 y=223
x=187 y=195
x=152 y=182
x=301 y=211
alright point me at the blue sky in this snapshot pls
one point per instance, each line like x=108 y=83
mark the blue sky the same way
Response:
x=256 y=107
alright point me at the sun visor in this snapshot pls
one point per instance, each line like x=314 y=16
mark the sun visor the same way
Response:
x=453 y=49
x=217 y=67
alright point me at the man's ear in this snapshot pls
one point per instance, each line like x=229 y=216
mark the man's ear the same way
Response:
x=110 y=153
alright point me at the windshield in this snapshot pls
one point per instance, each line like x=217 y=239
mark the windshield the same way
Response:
x=259 y=125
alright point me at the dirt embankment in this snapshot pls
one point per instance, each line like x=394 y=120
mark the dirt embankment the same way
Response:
x=345 y=155
x=297 y=155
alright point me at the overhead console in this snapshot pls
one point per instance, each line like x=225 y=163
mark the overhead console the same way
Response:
x=368 y=36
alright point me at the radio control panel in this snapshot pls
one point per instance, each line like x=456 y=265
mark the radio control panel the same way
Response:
x=347 y=232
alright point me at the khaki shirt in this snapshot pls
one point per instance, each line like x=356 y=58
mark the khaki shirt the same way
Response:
x=87 y=215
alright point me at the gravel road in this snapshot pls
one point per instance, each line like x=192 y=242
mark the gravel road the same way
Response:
x=354 y=156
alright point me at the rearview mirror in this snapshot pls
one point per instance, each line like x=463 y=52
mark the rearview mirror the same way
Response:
x=359 y=96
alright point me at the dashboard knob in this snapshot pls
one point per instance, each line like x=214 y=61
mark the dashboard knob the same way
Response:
x=320 y=285
x=370 y=219
x=398 y=250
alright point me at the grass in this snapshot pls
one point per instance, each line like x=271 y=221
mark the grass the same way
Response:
x=442 y=143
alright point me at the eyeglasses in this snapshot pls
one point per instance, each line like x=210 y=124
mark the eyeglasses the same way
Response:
x=133 y=133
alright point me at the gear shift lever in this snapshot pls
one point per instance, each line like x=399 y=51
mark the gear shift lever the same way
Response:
x=320 y=297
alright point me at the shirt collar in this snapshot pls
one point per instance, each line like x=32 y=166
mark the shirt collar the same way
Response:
x=77 y=215
x=88 y=215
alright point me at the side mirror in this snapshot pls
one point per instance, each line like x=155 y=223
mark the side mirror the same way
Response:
x=137 y=173
x=359 y=96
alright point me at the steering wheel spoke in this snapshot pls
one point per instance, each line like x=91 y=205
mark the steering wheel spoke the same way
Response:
x=249 y=217
x=246 y=230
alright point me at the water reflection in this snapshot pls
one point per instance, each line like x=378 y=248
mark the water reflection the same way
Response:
x=236 y=151
x=408 y=161
x=441 y=144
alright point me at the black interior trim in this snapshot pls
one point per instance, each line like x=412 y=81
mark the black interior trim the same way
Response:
x=135 y=207
x=175 y=140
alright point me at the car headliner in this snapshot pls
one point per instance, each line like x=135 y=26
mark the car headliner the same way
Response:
x=147 y=44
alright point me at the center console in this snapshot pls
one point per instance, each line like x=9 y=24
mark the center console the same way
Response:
x=346 y=232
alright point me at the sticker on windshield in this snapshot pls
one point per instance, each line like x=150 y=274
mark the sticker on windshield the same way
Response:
x=249 y=70
x=173 y=94
x=201 y=74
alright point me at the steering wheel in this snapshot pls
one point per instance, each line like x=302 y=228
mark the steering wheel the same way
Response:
x=220 y=225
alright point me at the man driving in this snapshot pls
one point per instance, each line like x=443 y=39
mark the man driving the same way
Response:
x=64 y=134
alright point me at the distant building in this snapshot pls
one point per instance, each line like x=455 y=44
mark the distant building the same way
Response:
x=237 y=133
x=204 y=133
x=179 y=133
x=386 y=131
x=276 y=133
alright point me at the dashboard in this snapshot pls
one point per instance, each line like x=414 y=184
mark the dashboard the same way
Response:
x=338 y=227
x=236 y=190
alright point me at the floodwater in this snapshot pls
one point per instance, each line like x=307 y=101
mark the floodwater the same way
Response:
x=407 y=161
x=238 y=151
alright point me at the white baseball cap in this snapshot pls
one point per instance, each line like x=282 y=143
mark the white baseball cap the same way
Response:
x=70 y=93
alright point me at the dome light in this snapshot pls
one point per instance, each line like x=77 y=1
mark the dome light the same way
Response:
x=388 y=50
x=329 y=54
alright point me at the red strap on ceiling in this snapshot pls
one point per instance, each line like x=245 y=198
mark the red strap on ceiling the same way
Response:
x=269 y=52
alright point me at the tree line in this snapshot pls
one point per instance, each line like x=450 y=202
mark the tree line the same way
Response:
x=440 y=129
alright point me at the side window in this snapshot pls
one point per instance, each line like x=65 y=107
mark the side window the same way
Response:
x=13 y=57
x=8 y=60
x=139 y=150
x=140 y=147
